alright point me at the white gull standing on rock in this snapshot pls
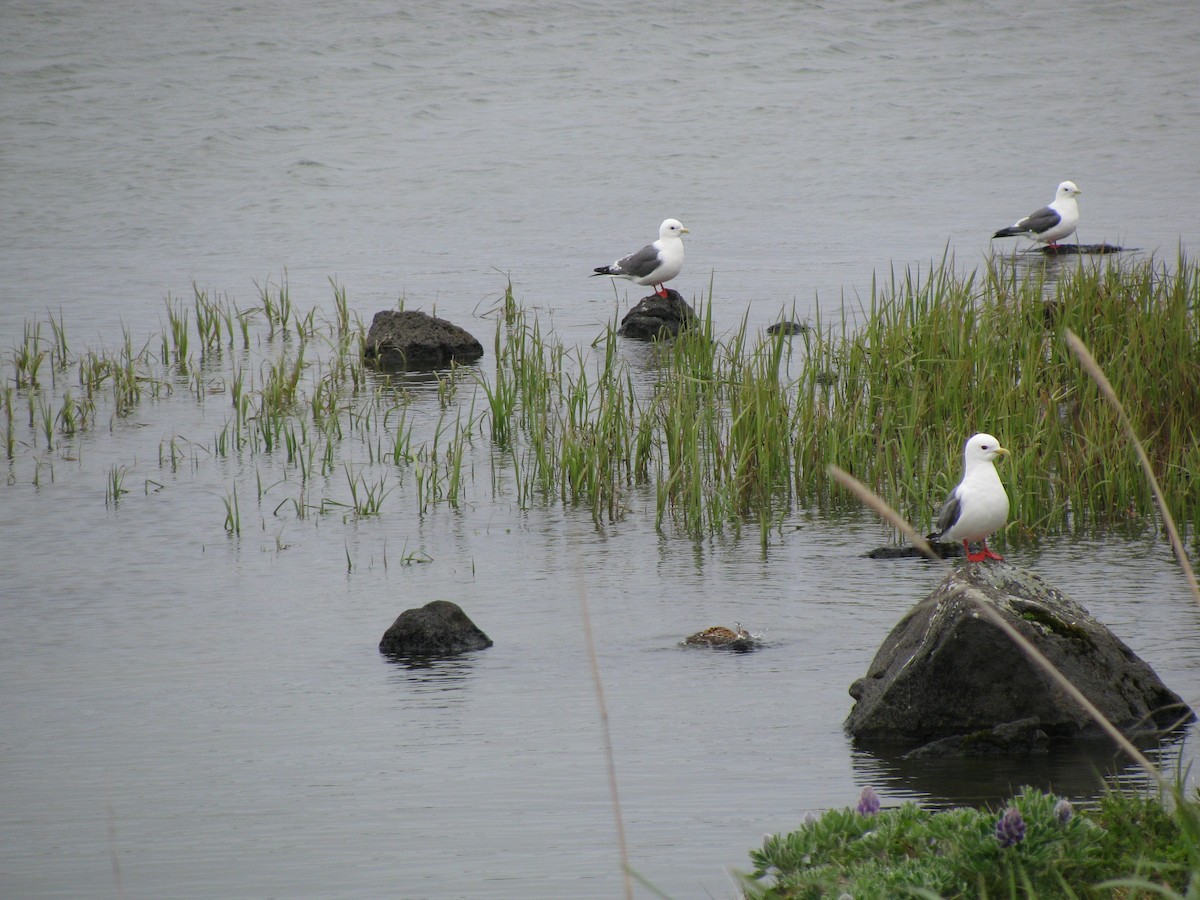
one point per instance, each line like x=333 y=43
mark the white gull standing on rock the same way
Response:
x=1052 y=223
x=655 y=263
x=978 y=505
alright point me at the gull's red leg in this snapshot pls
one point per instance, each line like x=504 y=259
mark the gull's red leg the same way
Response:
x=983 y=554
x=988 y=554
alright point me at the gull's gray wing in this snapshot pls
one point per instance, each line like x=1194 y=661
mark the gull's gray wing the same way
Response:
x=1042 y=220
x=639 y=264
x=948 y=516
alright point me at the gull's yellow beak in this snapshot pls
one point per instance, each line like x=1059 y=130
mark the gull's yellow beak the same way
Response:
x=1000 y=451
x=684 y=231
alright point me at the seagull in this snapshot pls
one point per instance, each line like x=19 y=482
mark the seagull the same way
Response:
x=979 y=504
x=655 y=263
x=1052 y=223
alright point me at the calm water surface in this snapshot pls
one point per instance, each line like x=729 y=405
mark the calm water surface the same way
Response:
x=188 y=715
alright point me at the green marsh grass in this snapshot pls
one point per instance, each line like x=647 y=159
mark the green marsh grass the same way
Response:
x=366 y=496
x=717 y=431
x=209 y=318
x=29 y=356
x=60 y=354
x=940 y=358
x=341 y=306
x=177 y=328
x=277 y=306
x=46 y=419
x=115 y=485
x=74 y=415
x=233 y=513
x=8 y=395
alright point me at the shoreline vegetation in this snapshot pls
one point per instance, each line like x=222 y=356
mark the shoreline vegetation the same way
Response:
x=717 y=433
x=1034 y=845
x=723 y=432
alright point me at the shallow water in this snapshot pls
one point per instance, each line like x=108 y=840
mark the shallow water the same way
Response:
x=188 y=714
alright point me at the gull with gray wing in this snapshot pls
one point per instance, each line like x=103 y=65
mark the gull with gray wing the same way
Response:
x=1052 y=223
x=655 y=263
x=978 y=505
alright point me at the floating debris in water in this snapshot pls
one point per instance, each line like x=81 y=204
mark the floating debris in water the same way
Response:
x=737 y=638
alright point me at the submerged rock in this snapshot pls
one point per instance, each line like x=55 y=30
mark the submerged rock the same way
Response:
x=720 y=636
x=1023 y=736
x=1079 y=249
x=947 y=671
x=656 y=318
x=439 y=628
x=907 y=551
x=408 y=339
x=787 y=327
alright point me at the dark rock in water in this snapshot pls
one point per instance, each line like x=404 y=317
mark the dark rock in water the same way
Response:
x=410 y=339
x=1080 y=249
x=725 y=638
x=656 y=318
x=945 y=670
x=786 y=327
x=1024 y=736
x=941 y=548
x=439 y=628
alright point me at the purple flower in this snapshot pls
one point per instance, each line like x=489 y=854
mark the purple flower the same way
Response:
x=1064 y=812
x=1010 y=830
x=868 y=802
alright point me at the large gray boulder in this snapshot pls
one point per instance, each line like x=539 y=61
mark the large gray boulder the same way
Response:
x=439 y=628
x=945 y=670
x=409 y=339
x=657 y=318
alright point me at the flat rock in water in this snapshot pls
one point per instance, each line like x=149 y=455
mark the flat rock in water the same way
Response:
x=1024 y=737
x=787 y=327
x=439 y=628
x=1080 y=249
x=946 y=671
x=656 y=318
x=409 y=339
x=942 y=549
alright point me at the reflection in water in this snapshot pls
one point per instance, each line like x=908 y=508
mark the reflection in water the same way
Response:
x=431 y=673
x=420 y=381
x=1080 y=771
x=1036 y=265
x=1033 y=266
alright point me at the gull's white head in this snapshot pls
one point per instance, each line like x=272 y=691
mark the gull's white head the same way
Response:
x=671 y=228
x=982 y=448
x=1066 y=190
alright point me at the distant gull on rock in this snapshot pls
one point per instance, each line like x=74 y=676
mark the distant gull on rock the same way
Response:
x=978 y=505
x=655 y=263
x=1052 y=223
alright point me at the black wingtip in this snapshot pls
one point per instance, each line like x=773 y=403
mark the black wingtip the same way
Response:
x=1006 y=232
x=601 y=270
